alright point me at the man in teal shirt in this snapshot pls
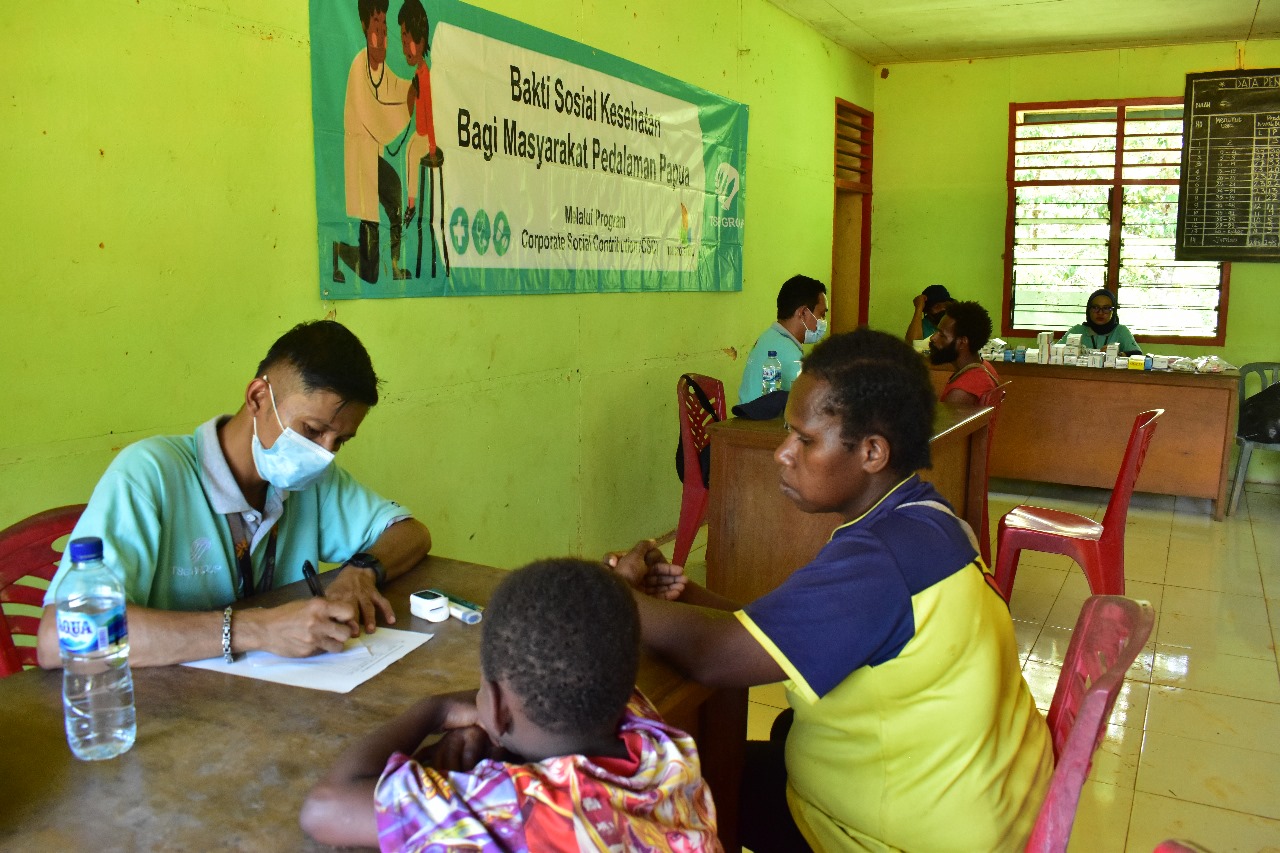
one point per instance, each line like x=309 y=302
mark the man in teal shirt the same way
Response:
x=196 y=522
x=802 y=318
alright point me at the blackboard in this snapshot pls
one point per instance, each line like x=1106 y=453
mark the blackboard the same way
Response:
x=1229 y=201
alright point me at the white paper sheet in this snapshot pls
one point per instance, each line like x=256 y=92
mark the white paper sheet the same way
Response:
x=337 y=672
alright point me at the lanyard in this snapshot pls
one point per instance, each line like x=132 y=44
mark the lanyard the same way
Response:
x=1106 y=339
x=244 y=561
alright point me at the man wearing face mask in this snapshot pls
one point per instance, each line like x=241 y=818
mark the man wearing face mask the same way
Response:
x=802 y=318
x=196 y=522
x=930 y=306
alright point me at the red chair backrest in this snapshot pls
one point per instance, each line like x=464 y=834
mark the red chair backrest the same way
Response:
x=694 y=419
x=994 y=397
x=1108 y=637
x=1144 y=429
x=26 y=551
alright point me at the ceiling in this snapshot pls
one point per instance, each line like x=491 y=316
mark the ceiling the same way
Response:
x=893 y=31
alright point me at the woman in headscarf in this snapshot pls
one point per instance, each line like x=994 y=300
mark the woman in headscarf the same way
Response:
x=1101 y=325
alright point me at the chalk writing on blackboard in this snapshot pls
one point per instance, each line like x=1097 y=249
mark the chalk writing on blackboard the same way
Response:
x=1229 y=201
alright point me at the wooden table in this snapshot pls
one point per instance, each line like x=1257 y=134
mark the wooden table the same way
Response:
x=755 y=535
x=224 y=762
x=1071 y=424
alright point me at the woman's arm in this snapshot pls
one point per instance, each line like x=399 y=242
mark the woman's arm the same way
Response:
x=697 y=633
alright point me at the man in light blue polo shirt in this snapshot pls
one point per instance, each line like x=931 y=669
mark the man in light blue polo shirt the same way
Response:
x=196 y=522
x=802 y=318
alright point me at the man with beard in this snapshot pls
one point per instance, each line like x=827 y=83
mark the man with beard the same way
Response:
x=930 y=306
x=961 y=334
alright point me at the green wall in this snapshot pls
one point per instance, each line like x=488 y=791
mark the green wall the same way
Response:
x=159 y=224
x=940 y=178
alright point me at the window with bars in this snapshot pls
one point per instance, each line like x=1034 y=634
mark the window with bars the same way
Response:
x=1093 y=202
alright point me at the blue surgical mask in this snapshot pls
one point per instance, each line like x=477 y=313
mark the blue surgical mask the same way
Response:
x=293 y=462
x=812 y=336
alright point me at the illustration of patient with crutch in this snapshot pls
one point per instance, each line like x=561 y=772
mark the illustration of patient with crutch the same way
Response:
x=422 y=158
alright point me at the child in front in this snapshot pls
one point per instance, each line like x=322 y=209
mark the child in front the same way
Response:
x=557 y=750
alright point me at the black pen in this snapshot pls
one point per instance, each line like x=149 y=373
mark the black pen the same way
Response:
x=313 y=579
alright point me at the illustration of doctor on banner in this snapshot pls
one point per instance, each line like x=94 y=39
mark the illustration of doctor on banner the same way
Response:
x=570 y=170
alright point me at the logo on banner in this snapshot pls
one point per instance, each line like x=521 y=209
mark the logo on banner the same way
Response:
x=727 y=180
x=726 y=185
x=458 y=230
x=501 y=234
x=480 y=232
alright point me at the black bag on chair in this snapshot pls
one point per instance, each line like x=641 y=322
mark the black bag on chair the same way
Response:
x=1260 y=416
x=704 y=455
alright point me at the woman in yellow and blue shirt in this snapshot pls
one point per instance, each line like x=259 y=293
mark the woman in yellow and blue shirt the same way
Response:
x=913 y=728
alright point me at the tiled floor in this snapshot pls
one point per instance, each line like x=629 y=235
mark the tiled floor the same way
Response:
x=1193 y=748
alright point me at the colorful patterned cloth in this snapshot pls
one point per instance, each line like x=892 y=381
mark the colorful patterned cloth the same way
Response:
x=652 y=800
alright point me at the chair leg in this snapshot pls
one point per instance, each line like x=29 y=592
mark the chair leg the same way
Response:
x=422 y=174
x=1006 y=566
x=693 y=506
x=1104 y=573
x=1242 y=468
x=984 y=535
x=444 y=235
x=431 y=220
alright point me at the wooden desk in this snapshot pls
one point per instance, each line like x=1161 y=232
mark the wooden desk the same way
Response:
x=1071 y=424
x=755 y=535
x=224 y=762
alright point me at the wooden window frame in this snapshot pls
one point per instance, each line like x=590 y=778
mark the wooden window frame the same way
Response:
x=1116 y=204
x=853 y=158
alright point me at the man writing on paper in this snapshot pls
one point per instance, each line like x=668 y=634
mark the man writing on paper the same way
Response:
x=196 y=522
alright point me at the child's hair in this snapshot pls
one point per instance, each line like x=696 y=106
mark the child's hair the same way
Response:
x=878 y=384
x=564 y=635
x=414 y=20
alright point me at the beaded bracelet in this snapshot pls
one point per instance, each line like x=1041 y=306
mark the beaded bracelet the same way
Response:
x=226 y=636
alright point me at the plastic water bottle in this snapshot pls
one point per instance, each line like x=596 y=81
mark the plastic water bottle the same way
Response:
x=771 y=374
x=97 y=687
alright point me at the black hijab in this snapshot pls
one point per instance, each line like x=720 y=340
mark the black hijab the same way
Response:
x=1107 y=327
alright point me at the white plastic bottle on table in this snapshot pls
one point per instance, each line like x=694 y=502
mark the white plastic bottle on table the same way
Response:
x=771 y=374
x=97 y=687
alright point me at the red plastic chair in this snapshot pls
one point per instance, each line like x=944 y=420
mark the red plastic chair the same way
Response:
x=26 y=551
x=1098 y=548
x=993 y=398
x=693 y=437
x=1108 y=637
